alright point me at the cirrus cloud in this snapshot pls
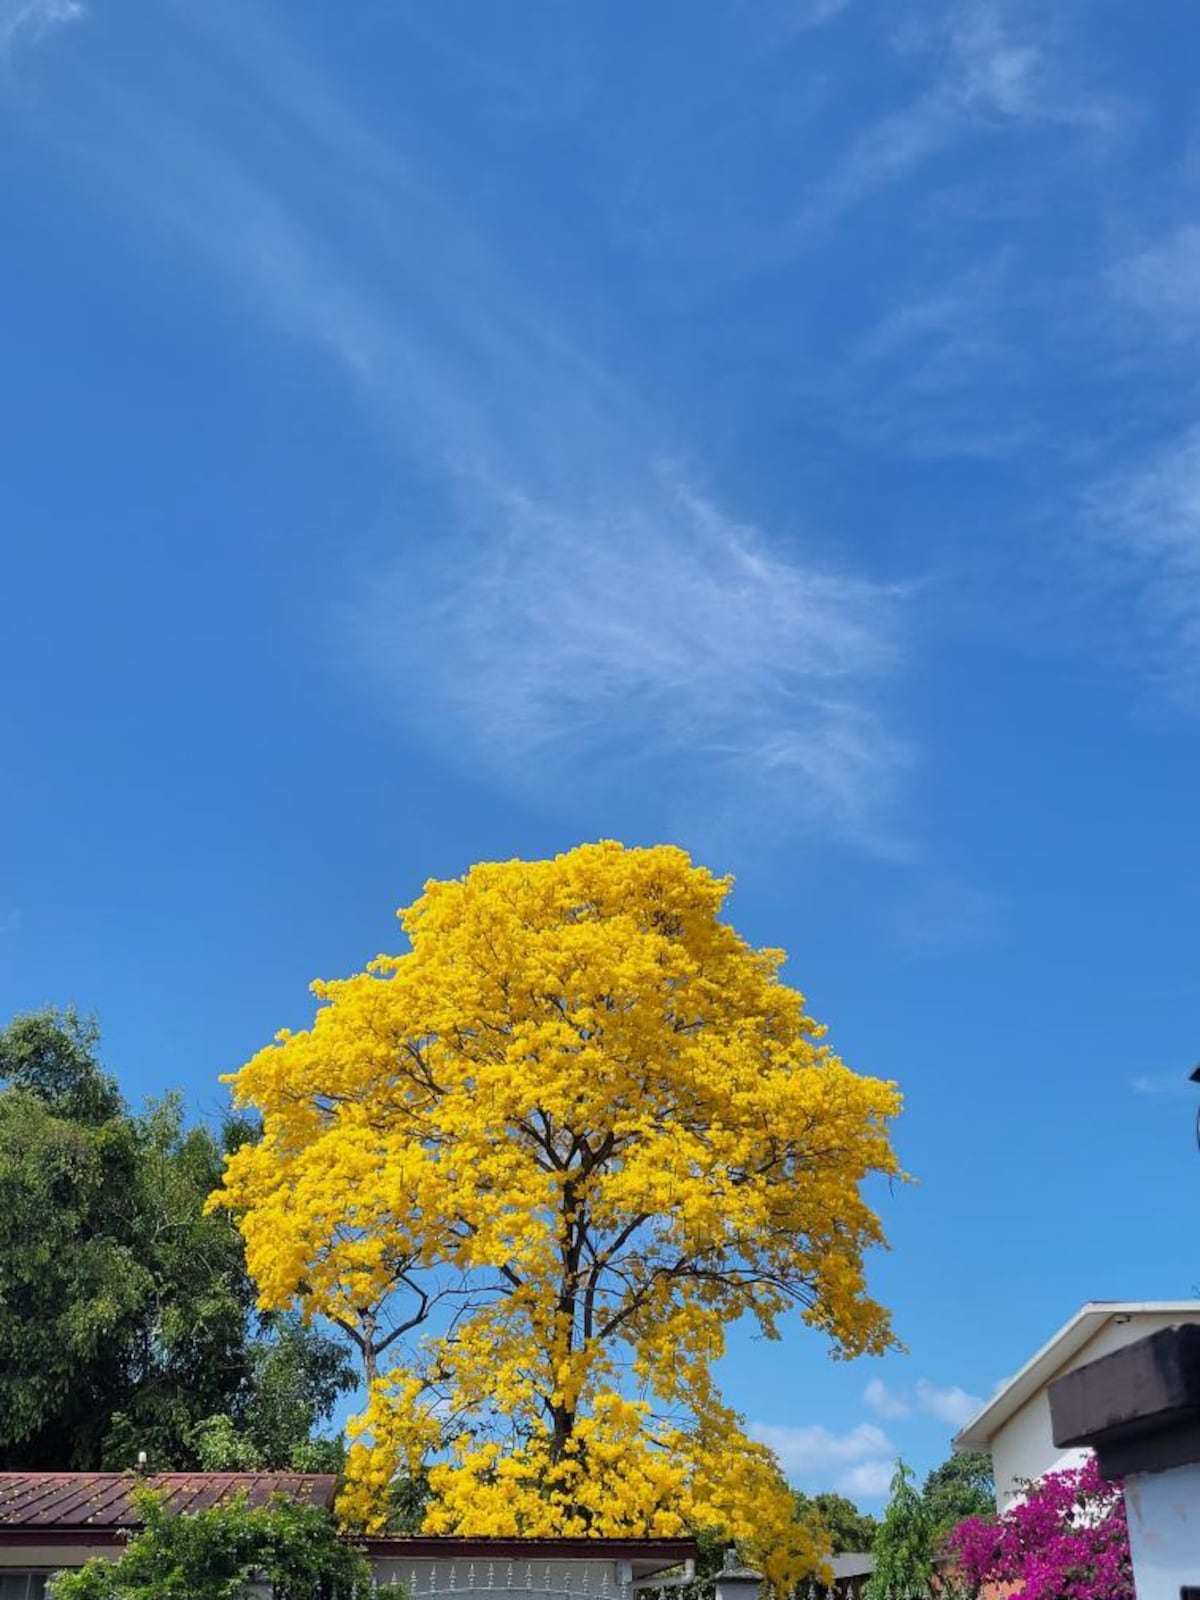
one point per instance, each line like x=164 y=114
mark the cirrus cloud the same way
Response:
x=31 y=18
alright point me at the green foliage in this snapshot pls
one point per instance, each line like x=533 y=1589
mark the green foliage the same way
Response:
x=904 y=1543
x=221 y=1448
x=961 y=1487
x=409 y=1498
x=296 y=1376
x=848 y=1527
x=225 y=1554
x=126 y=1314
x=52 y=1055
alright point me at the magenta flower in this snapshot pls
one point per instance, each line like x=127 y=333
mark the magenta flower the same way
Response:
x=1066 y=1540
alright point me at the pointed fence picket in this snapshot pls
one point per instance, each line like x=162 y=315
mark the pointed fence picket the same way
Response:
x=586 y=1581
x=514 y=1580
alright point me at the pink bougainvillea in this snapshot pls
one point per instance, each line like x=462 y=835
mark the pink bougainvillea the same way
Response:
x=1066 y=1540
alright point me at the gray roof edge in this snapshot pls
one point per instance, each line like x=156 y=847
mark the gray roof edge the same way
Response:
x=979 y=1431
x=852 y=1564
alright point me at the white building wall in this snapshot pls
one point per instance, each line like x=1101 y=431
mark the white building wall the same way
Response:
x=1024 y=1447
x=53 y=1557
x=1164 y=1531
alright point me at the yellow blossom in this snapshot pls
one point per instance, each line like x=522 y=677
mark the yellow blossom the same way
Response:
x=568 y=1138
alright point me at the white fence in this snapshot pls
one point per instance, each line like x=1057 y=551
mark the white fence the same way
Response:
x=523 y=1580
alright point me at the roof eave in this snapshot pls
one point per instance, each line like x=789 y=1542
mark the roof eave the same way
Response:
x=979 y=1431
x=34 y=1535
x=645 y=1555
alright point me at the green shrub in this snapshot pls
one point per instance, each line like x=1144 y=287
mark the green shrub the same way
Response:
x=289 y=1551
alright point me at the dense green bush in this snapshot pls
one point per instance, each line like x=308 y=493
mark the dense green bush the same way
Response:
x=289 y=1551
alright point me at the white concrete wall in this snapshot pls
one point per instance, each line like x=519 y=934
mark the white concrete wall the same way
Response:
x=1024 y=1447
x=1164 y=1531
x=53 y=1557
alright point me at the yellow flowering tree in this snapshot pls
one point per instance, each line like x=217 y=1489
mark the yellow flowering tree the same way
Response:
x=536 y=1167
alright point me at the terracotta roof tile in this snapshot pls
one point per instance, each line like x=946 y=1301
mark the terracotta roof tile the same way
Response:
x=105 y=1499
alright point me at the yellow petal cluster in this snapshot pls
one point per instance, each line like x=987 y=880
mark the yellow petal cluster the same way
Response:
x=578 y=1129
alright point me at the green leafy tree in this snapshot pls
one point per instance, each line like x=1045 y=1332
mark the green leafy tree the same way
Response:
x=848 y=1527
x=126 y=1314
x=296 y=1378
x=963 y=1486
x=52 y=1055
x=904 y=1543
x=226 y=1553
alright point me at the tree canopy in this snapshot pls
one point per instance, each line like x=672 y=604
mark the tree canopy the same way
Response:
x=126 y=1314
x=52 y=1055
x=848 y=1527
x=294 y=1378
x=963 y=1486
x=535 y=1167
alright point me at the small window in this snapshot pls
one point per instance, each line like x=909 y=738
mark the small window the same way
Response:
x=23 y=1585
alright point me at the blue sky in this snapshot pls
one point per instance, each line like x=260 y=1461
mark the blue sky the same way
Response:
x=436 y=433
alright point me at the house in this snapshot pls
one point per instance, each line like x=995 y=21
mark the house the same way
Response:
x=1014 y=1427
x=851 y=1574
x=54 y=1520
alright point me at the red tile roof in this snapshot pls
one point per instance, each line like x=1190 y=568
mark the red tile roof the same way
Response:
x=61 y=1500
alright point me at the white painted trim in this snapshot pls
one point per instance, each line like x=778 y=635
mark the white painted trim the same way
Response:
x=978 y=1433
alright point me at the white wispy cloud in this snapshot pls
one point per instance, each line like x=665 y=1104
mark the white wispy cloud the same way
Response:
x=813 y=13
x=1169 y=1086
x=27 y=20
x=951 y=1405
x=943 y=336
x=1161 y=279
x=1143 y=519
x=1009 y=60
x=885 y=1402
x=881 y=153
x=805 y=1451
x=991 y=66
x=651 y=622
x=870 y=1480
x=997 y=68
x=1148 y=519
x=940 y=372
x=574 y=601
